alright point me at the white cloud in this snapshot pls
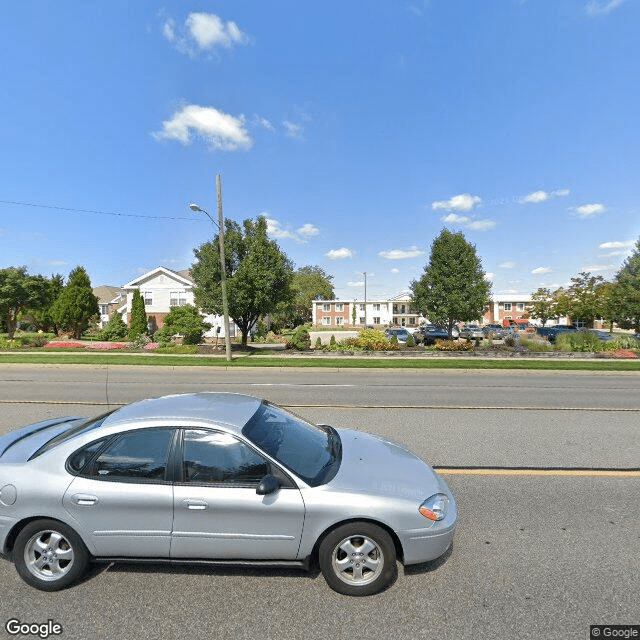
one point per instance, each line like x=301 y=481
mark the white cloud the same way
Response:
x=293 y=130
x=203 y=32
x=481 y=225
x=602 y=7
x=465 y=221
x=489 y=276
x=595 y=268
x=462 y=202
x=339 y=254
x=394 y=270
x=543 y=196
x=616 y=244
x=308 y=230
x=401 y=254
x=356 y=284
x=509 y=264
x=590 y=210
x=540 y=270
x=263 y=122
x=220 y=130
x=275 y=230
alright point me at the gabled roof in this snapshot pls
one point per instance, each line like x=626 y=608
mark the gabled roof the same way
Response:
x=175 y=275
x=107 y=294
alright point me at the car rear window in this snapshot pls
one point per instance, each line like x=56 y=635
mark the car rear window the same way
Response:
x=83 y=427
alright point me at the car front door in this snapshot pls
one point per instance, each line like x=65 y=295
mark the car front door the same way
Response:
x=217 y=512
x=123 y=500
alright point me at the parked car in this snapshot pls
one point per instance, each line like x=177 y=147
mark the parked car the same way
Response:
x=471 y=332
x=216 y=477
x=553 y=331
x=495 y=331
x=432 y=332
x=400 y=333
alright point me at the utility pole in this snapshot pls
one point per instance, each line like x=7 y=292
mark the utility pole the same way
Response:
x=225 y=302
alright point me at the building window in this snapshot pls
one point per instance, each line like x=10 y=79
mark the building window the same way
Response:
x=361 y=307
x=104 y=309
x=339 y=306
x=376 y=319
x=326 y=320
x=507 y=306
x=412 y=321
x=339 y=321
x=148 y=298
x=376 y=307
x=362 y=320
x=326 y=307
x=177 y=299
x=520 y=306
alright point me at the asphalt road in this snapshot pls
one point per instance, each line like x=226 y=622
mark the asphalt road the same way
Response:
x=534 y=556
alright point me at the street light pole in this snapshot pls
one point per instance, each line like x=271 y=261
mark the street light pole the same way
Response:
x=223 y=276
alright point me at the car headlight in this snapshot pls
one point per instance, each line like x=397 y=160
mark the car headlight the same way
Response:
x=435 y=507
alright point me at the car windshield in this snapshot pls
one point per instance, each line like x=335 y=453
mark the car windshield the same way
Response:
x=313 y=453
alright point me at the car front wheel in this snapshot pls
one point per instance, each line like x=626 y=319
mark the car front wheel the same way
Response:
x=49 y=555
x=358 y=559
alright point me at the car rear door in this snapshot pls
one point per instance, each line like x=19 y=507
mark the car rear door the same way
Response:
x=123 y=499
x=217 y=512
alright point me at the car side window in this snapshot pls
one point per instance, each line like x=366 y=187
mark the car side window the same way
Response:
x=134 y=456
x=78 y=460
x=211 y=457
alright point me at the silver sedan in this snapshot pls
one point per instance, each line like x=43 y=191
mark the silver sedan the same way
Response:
x=216 y=477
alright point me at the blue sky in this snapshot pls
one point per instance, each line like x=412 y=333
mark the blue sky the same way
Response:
x=359 y=129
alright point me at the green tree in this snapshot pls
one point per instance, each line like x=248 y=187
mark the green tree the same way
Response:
x=624 y=304
x=76 y=306
x=453 y=287
x=584 y=300
x=19 y=291
x=138 y=321
x=543 y=305
x=308 y=284
x=186 y=321
x=258 y=274
x=40 y=315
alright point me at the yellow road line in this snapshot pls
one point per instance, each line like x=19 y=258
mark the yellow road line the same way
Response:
x=588 y=473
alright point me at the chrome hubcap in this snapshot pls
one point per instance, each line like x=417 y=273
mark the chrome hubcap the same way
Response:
x=48 y=555
x=357 y=560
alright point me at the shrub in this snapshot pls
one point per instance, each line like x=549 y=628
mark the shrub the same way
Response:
x=410 y=341
x=372 y=340
x=185 y=321
x=454 y=345
x=318 y=343
x=116 y=329
x=332 y=341
x=300 y=339
x=138 y=320
x=581 y=341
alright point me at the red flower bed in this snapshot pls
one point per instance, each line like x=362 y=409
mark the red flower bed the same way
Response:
x=64 y=344
x=107 y=346
x=624 y=353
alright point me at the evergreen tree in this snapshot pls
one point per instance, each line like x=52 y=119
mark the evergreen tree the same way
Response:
x=138 y=321
x=186 y=321
x=453 y=287
x=258 y=274
x=116 y=328
x=76 y=306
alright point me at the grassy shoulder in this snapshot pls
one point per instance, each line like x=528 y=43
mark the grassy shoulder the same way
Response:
x=350 y=362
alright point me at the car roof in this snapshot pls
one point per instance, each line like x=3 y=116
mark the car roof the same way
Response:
x=232 y=409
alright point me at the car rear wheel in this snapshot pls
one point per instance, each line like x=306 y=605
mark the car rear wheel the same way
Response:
x=49 y=555
x=358 y=559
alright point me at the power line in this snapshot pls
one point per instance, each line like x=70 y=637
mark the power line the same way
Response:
x=96 y=212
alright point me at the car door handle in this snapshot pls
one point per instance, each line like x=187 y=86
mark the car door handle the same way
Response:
x=84 y=500
x=195 y=505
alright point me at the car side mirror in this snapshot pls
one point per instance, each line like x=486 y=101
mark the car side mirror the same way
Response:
x=268 y=484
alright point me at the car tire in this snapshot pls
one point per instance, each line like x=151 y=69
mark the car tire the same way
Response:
x=49 y=555
x=358 y=559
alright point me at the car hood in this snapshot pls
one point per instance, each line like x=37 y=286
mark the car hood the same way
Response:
x=374 y=464
x=19 y=445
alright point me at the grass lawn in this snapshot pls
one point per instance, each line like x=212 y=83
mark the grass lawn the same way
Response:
x=348 y=362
